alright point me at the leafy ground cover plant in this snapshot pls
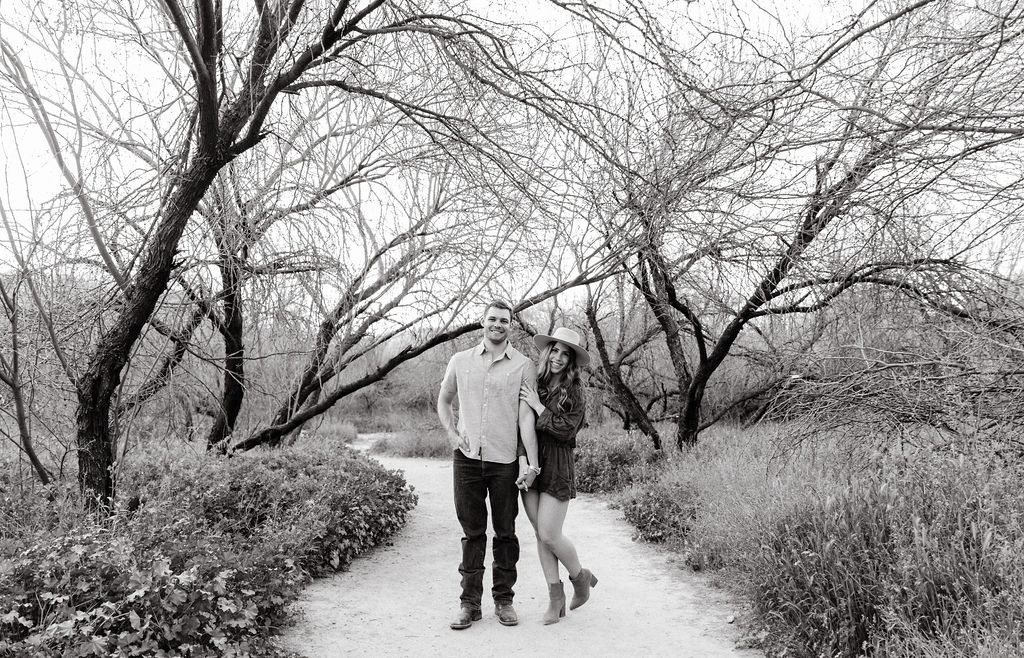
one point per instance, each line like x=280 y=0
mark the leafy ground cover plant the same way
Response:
x=204 y=561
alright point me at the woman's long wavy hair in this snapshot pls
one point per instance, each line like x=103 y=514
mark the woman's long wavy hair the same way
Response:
x=567 y=390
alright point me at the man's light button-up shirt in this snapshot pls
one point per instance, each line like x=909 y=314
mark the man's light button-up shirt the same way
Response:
x=488 y=394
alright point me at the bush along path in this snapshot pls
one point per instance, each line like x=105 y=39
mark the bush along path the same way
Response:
x=399 y=599
x=206 y=565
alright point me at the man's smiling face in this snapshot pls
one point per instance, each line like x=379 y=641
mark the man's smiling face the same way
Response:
x=496 y=324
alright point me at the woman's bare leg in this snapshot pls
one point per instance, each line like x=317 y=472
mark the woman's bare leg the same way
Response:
x=550 y=514
x=548 y=561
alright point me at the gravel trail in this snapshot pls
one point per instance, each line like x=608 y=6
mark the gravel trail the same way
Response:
x=398 y=600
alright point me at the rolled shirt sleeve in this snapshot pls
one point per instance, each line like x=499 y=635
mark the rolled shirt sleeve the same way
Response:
x=529 y=374
x=450 y=382
x=562 y=426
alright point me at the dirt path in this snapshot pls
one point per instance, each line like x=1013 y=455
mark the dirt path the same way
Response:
x=398 y=600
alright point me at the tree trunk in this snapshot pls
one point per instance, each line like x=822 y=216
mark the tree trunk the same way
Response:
x=98 y=383
x=26 y=436
x=95 y=455
x=689 y=410
x=654 y=285
x=234 y=352
x=631 y=407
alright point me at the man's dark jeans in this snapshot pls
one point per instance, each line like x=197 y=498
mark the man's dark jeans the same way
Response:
x=475 y=480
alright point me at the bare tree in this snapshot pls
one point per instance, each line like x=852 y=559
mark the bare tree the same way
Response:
x=12 y=379
x=795 y=170
x=226 y=87
x=949 y=379
x=615 y=362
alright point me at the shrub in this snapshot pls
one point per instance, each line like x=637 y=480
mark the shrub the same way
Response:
x=608 y=460
x=208 y=562
x=662 y=511
x=92 y=593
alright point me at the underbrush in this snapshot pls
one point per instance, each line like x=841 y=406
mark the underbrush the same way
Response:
x=412 y=443
x=921 y=554
x=330 y=431
x=396 y=418
x=661 y=511
x=204 y=558
x=608 y=459
x=843 y=553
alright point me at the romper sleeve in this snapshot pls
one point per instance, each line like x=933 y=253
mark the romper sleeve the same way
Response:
x=562 y=425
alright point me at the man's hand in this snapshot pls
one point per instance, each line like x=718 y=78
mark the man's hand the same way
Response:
x=458 y=440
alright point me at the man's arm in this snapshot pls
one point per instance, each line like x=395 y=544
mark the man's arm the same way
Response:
x=528 y=432
x=527 y=429
x=444 y=409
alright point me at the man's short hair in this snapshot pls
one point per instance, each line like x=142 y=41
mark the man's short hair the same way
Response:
x=498 y=303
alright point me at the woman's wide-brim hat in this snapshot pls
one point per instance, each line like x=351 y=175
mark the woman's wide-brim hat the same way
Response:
x=568 y=337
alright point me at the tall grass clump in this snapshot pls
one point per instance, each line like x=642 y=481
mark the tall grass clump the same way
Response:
x=922 y=554
x=845 y=550
x=961 y=535
x=717 y=493
x=824 y=570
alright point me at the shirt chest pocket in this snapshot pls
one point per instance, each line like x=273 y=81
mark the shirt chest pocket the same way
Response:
x=472 y=380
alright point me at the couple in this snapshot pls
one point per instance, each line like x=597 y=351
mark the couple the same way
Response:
x=501 y=396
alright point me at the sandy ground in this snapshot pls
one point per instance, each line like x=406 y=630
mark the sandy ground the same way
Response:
x=398 y=600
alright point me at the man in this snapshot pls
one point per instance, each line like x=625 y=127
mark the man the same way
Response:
x=487 y=378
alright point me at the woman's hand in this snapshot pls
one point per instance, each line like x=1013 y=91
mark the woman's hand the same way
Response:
x=528 y=394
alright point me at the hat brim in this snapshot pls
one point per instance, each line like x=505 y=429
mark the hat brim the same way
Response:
x=582 y=357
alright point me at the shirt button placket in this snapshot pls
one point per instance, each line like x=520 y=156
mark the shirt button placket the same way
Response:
x=483 y=419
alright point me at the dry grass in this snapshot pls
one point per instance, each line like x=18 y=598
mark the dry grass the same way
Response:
x=846 y=552
x=414 y=443
x=329 y=431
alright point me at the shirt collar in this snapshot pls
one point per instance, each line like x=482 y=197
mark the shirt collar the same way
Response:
x=506 y=353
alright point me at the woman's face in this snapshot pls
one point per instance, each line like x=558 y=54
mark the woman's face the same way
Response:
x=560 y=357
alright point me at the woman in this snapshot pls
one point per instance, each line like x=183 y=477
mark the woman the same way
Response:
x=559 y=407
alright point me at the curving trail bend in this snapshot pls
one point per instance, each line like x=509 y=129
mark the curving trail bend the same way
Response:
x=398 y=600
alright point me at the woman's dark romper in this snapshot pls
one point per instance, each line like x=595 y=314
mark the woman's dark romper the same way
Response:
x=556 y=438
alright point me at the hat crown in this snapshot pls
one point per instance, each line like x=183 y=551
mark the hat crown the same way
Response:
x=566 y=335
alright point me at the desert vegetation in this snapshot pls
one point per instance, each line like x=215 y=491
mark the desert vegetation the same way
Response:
x=233 y=234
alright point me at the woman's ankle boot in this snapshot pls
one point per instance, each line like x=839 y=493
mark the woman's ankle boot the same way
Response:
x=581 y=585
x=556 y=605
